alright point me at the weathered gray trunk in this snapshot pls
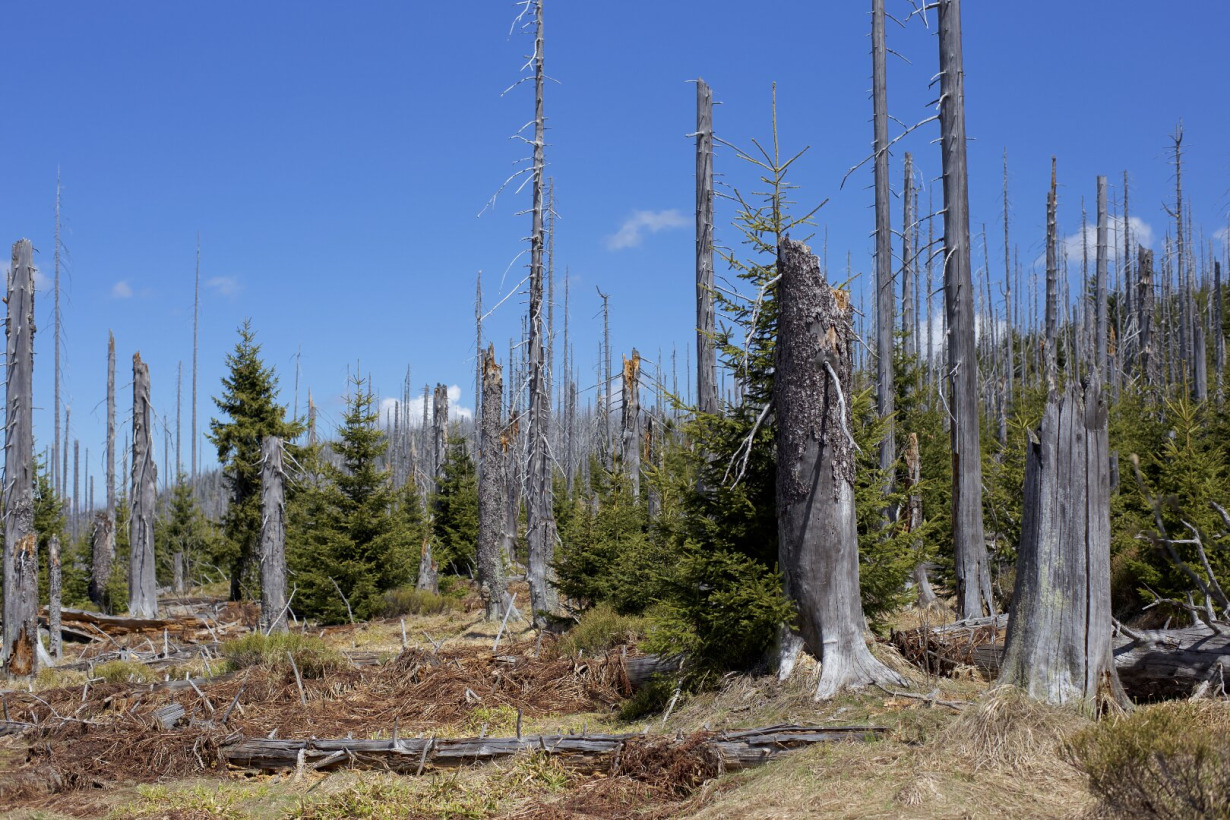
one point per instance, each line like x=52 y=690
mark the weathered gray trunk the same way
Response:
x=111 y=424
x=914 y=519
x=884 y=245
x=974 y=597
x=54 y=588
x=909 y=261
x=439 y=432
x=273 y=536
x=55 y=452
x=631 y=423
x=492 y=489
x=196 y=316
x=1100 y=339
x=818 y=537
x=102 y=559
x=1010 y=353
x=1144 y=300
x=20 y=541
x=706 y=328
x=1058 y=647
x=540 y=519
x=1219 y=335
x=177 y=573
x=142 y=591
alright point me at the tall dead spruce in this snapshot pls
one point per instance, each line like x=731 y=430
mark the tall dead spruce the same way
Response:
x=972 y=568
x=1058 y=647
x=540 y=519
x=492 y=489
x=631 y=423
x=706 y=327
x=273 y=536
x=103 y=541
x=884 y=246
x=20 y=541
x=142 y=594
x=818 y=536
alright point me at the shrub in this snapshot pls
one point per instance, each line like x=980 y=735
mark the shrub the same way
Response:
x=599 y=629
x=312 y=655
x=1170 y=760
x=411 y=601
x=651 y=699
x=123 y=672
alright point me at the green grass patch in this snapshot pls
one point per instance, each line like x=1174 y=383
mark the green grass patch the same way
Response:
x=411 y=601
x=313 y=657
x=599 y=629
x=123 y=672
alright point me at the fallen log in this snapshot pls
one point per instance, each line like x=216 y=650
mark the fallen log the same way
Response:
x=1152 y=664
x=733 y=750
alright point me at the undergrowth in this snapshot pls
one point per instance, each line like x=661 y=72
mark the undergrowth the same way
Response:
x=313 y=657
x=599 y=629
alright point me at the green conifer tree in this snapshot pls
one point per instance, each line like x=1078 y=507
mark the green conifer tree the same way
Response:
x=250 y=411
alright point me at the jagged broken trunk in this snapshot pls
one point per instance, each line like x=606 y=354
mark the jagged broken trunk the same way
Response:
x=102 y=559
x=817 y=534
x=142 y=592
x=1058 y=647
x=273 y=536
x=20 y=541
x=492 y=490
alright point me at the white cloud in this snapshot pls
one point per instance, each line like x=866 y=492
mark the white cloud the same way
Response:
x=634 y=228
x=1221 y=235
x=121 y=290
x=1075 y=244
x=414 y=410
x=225 y=285
x=42 y=282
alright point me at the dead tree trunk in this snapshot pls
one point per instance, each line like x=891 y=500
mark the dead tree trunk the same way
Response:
x=884 y=246
x=273 y=536
x=196 y=317
x=914 y=519
x=706 y=328
x=1219 y=334
x=1144 y=301
x=492 y=490
x=1058 y=647
x=20 y=541
x=818 y=542
x=1101 y=334
x=631 y=423
x=909 y=262
x=54 y=588
x=428 y=578
x=540 y=519
x=972 y=567
x=102 y=558
x=142 y=592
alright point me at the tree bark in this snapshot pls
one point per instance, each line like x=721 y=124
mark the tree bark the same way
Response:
x=972 y=566
x=142 y=591
x=102 y=559
x=818 y=537
x=914 y=519
x=1058 y=646
x=706 y=328
x=1101 y=334
x=54 y=589
x=631 y=423
x=492 y=490
x=884 y=246
x=20 y=657
x=540 y=519
x=1147 y=357
x=273 y=536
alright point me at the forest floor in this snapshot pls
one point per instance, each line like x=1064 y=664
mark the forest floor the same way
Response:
x=951 y=749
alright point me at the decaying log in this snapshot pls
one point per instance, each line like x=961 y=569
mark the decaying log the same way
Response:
x=1152 y=664
x=734 y=750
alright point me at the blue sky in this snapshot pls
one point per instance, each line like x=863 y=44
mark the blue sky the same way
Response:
x=334 y=159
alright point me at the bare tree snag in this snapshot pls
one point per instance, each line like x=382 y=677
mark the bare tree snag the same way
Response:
x=20 y=541
x=884 y=247
x=54 y=588
x=972 y=566
x=55 y=451
x=706 y=327
x=439 y=432
x=1100 y=339
x=1058 y=647
x=142 y=592
x=540 y=518
x=102 y=559
x=492 y=489
x=818 y=537
x=1219 y=335
x=914 y=519
x=273 y=536
x=631 y=423
x=909 y=260
x=196 y=318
